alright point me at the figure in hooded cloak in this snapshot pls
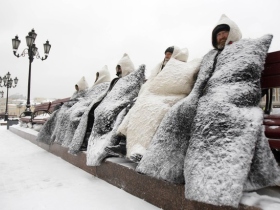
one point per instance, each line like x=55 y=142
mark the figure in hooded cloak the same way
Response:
x=123 y=68
x=213 y=140
x=112 y=109
x=170 y=81
x=55 y=126
x=120 y=148
x=75 y=112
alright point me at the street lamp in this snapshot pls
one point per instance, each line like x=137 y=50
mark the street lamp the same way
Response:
x=8 y=82
x=31 y=51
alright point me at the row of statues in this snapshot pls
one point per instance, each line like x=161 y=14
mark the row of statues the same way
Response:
x=194 y=122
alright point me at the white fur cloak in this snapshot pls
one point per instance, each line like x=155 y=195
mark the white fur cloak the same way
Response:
x=162 y=91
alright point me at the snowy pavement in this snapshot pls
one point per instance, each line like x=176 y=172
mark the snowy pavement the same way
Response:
x=33 y=179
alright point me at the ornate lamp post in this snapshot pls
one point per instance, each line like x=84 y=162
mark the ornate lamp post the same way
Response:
x=2 y=93
x=31 y=51
x=8 y=82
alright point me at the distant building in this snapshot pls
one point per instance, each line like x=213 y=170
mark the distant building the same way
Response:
x=17 y=104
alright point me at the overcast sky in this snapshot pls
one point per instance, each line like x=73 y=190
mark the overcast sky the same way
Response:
x=87 y=34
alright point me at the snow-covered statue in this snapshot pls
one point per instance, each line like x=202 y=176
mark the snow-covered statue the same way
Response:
x=55 y=126
x=169 y=82
x=213 y=140
x=79 y=139
x=110 y=112
x=76 y=112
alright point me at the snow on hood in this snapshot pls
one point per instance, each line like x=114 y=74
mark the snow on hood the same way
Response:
x=82 y=84
x=180 y=54
x=104 y=76
x=234 y=33
x=126 y=65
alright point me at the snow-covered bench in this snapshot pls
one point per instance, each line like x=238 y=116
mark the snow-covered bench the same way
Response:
x=39 y=109
x=270 y=80
x=56 y=103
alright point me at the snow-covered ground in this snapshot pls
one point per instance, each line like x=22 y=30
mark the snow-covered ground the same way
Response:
x=31 y=178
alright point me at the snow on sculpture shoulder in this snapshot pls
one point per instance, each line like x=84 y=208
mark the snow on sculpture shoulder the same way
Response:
x=178 y=54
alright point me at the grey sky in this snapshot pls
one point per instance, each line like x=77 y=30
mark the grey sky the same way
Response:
x=87 y=34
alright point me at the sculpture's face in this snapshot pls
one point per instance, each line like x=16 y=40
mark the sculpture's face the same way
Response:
x=221 y=39
x=167 y=56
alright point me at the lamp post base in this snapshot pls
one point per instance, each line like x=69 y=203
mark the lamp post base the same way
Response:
x=26 y=113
